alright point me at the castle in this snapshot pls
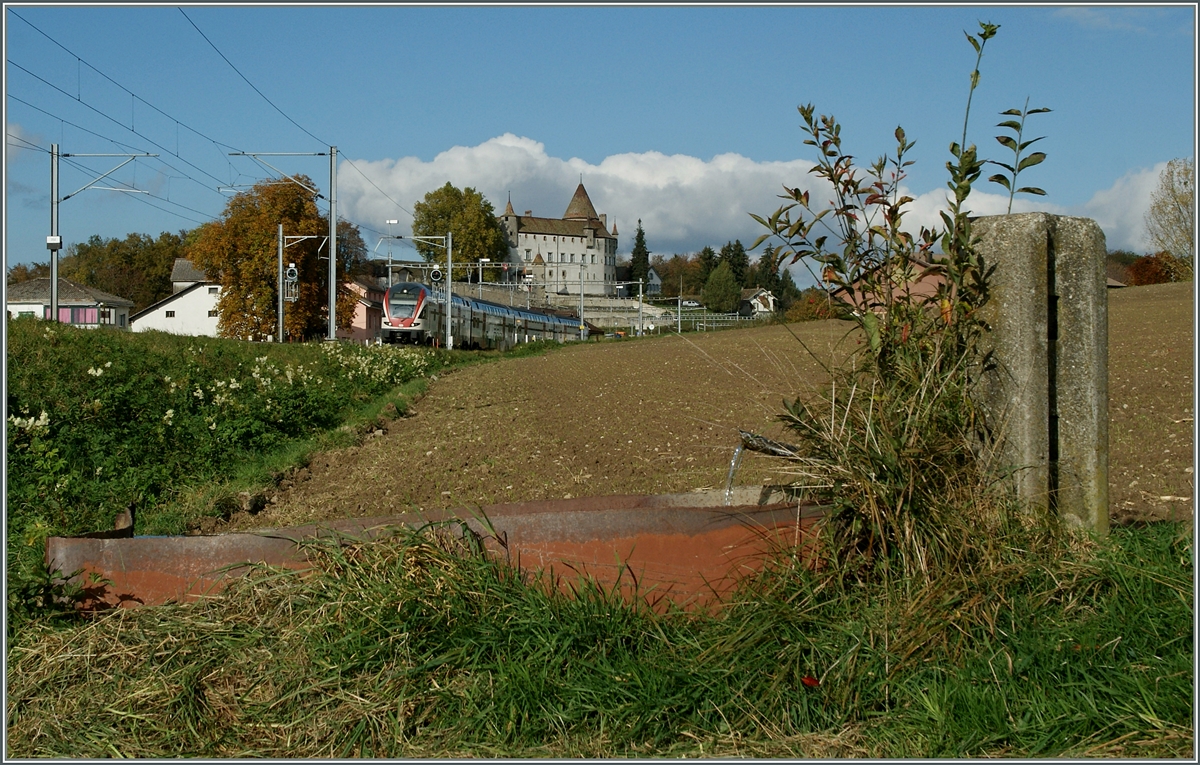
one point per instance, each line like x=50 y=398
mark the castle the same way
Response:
x=567 y=254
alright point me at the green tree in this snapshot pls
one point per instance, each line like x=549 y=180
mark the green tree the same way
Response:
x=469 y=216
x=1170 y=221
x=639 y=261
x=137 y=267
x=240 y=250
x=786 y=293
x=765 y=273
x=734 y=254
x=722 y=293
x=707 y=260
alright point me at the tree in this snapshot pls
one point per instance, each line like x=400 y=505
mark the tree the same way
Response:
x=765 y=273
x=722 y=293
x=240 y=250
x=735 y=255
x=639 y=261
x=680 y=268
x=23 y=272
x=787 y=292
x=469 y=216
x=707 y=259
x=1172 y=214
x=137 y=267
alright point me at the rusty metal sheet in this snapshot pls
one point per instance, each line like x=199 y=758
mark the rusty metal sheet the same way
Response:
x=686 y=549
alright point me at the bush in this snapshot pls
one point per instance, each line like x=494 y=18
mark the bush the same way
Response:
x=813 y=305
x=102 y=422
x=1159 y=268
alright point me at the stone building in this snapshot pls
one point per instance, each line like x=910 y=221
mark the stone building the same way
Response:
x=563 y=254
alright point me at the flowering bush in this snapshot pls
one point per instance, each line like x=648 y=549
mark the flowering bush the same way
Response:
x=102 y=421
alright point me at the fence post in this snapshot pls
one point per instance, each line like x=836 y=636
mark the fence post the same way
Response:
x=1047 y=395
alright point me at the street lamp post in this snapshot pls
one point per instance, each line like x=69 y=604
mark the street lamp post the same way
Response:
x=582 y=326
x=481 y=262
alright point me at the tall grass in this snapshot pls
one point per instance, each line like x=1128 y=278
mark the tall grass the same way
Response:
x=423 y=646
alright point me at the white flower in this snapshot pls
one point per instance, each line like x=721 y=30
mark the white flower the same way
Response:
x=95 y=372
x=167 y=417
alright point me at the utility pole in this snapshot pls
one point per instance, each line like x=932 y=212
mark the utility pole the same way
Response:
x=332 y=243
x=449 y=287
x=279 y=291
x=54 y=241
x=679 y=310
x=582 y=326
x=639 y=307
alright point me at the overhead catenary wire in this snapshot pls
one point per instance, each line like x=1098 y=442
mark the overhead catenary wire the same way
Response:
x=115 y=121
x=80 y=59
x=179 y=123
x=251 y=84
x=114 y=141
x=285 y=115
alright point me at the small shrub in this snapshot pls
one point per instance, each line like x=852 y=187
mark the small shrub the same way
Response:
x=813 y=305
x=1159 y=268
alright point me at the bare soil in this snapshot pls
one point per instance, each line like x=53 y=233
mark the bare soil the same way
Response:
x=1151 y=402
x=661 y=415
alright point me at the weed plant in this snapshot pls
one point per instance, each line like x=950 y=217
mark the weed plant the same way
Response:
x=893 y=447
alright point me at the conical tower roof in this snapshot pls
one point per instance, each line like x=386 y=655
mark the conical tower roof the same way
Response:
x=508 y=209
x=581 y=206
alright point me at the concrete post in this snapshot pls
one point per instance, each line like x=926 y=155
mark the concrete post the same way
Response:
x=1047 y=396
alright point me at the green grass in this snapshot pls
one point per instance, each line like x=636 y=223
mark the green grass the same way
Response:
x=422 y=646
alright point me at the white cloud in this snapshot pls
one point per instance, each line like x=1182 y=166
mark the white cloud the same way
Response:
x=684 y=202
x=1121 y=209
x=19 y=144
x=1112 y=19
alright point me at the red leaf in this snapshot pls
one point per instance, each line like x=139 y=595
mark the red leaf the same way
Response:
x=810 y=681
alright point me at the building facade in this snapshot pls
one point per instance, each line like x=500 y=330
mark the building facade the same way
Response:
x=190 y=310
x=78 y=304
x=565 y=255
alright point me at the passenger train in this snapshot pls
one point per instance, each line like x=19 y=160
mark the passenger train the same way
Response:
x=415 y=314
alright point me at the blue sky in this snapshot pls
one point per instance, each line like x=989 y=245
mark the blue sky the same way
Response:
x=682 y=117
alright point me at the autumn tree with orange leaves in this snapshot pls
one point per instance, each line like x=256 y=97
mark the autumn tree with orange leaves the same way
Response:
x=240 y=250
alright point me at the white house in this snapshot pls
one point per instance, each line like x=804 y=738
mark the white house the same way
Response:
x=79 y=305
x=564 y=254
x=191 y=310
x=756 y=303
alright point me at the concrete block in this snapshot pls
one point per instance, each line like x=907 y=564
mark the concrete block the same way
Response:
x=1047 y=395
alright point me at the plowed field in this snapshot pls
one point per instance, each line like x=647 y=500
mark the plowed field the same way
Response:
x=661 y=415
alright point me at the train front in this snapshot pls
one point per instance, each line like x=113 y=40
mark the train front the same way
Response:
x=403 y=309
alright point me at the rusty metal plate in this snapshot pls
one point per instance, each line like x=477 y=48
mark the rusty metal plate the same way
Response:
x=685 y=549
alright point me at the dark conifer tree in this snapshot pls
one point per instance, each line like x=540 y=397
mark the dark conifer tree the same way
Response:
x=639 y=264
